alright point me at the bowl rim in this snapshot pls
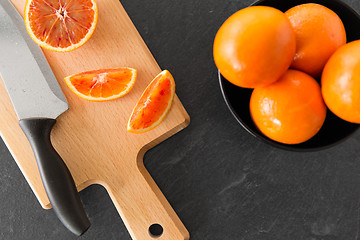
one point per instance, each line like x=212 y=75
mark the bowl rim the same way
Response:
x=343 y=4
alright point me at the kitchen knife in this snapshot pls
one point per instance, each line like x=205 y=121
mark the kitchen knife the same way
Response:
x=38 y=101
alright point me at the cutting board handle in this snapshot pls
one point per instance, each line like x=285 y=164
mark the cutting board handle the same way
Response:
x=144 y=209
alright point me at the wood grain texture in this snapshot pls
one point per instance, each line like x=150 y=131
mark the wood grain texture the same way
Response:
x=92 y=138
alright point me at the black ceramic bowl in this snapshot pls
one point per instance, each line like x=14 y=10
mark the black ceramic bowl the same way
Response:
x=334 y=129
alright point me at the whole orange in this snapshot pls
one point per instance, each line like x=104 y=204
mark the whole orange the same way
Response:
x=254 y=46
x=340 y=82
x=319 y=32
x=290 y=110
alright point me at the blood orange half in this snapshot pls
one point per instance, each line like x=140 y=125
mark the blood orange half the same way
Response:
x=154 y=104
x=102 y=85
x=60 y=25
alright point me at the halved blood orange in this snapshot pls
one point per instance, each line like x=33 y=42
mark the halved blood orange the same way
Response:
x=102 y=85
x=154 y=104
x=60 y=25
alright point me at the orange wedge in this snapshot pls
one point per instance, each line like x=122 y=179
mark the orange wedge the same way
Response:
x=153 y=105
x=60 y=25
x=102 y=85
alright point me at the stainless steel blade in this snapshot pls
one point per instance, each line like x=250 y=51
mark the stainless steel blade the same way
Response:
x=29 y=80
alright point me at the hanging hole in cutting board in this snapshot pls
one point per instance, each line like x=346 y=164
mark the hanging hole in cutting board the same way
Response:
x=155 y=230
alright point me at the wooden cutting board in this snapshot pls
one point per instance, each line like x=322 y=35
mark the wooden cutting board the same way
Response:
x=92 y=138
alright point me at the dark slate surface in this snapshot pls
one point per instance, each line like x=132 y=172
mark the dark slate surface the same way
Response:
x=223 y=183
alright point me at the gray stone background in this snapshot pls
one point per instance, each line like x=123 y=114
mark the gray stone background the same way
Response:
x=223 y=183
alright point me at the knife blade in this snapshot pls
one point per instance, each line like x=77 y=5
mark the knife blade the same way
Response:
x=38 y=101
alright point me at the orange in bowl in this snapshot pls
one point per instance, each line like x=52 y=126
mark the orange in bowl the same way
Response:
x=319 y=32
x=341 y=82
x=289 y=111
x=254 y=46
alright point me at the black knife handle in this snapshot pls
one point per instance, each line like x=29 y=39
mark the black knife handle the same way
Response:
x=58 y=182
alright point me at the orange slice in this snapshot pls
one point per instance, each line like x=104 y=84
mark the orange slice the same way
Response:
x=60 y=25
x=153 y=105
x=102 y=85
